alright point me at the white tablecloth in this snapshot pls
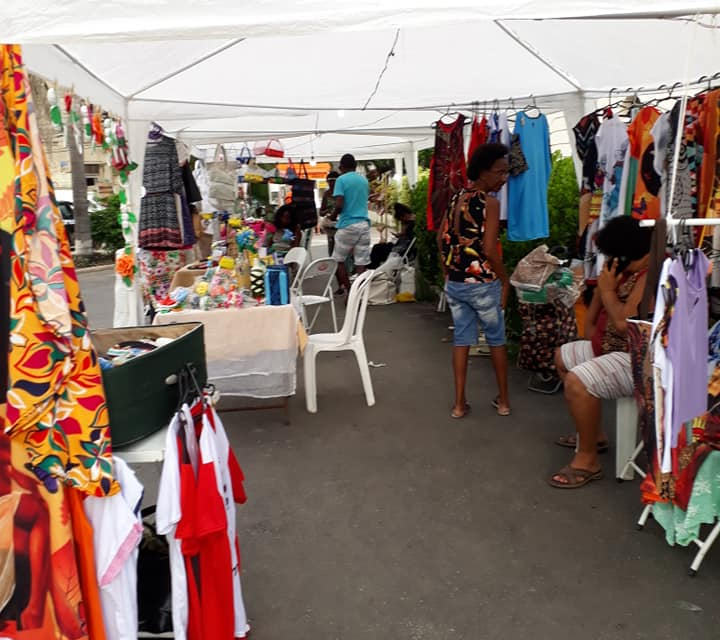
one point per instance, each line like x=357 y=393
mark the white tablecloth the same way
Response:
x=251 y=351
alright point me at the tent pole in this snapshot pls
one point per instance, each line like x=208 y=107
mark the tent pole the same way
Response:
x=411 y=164
x=128 y=302
x=186 y=67
x=137 y=137
x=534 y=52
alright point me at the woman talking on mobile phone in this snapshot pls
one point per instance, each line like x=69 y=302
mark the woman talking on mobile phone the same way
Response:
x=599 y=368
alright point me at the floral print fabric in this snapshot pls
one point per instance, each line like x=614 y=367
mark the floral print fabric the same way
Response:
x=55 y=400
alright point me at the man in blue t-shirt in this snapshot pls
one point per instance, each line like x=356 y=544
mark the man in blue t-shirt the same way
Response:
x=353 y=225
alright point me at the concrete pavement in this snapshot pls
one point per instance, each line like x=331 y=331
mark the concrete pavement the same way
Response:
x=397 y=522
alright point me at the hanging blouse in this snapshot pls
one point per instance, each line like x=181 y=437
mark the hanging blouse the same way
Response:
x=643 y=180
x=612 y=143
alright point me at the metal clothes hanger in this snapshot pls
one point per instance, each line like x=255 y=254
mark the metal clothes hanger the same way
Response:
x=532 y=105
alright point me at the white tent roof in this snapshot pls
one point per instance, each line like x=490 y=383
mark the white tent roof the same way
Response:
x=320 y=74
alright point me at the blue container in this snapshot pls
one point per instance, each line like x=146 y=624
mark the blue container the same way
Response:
x=277 y=285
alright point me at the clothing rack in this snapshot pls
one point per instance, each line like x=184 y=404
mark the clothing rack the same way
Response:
x=702 y=80
x=707 y=543
x=690 y=222
x=703 y=544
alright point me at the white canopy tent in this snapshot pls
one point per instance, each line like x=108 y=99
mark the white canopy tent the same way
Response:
x=369 y=78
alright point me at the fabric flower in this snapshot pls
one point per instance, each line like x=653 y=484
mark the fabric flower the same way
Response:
x=125 y=266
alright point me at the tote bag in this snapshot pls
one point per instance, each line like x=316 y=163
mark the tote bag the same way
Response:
x=303 y=200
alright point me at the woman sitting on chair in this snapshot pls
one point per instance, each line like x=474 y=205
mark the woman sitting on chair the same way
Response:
x=599 y=368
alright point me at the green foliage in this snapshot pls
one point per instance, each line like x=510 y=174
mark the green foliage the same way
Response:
x=424 y=157
x=260 y=191
x=105 y=227
x=428 y=261
x=404 y=194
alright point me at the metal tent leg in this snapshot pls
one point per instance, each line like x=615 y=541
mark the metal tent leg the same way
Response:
x=644 y=517
x=704 y=548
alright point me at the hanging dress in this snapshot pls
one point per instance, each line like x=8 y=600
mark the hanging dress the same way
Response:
x=161 y=213
x=447 y=169
x=528 y=216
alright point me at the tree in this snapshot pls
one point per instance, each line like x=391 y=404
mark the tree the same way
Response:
x=83 y=235
x=83 y=239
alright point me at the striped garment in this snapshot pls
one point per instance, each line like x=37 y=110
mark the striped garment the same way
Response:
x=608 y=376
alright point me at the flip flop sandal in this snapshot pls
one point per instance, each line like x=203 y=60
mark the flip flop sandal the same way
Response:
x=467 y=410
x=569 y=442
x=505 y=411
x=576 y=478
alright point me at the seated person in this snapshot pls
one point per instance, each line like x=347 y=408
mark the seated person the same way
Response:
x=599 y=368
x=382 y=250
x=286 y=232
x=406 y=218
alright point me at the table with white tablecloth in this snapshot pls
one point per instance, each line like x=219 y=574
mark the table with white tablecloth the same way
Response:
x=250 y=351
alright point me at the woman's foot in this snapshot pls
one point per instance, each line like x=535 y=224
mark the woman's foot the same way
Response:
x=460 y=411
x=570 y=477
x=502 y=409
x=571 y=442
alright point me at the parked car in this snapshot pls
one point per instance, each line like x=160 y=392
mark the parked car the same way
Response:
x=68 y=216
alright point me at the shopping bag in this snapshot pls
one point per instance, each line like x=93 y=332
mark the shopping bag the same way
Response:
x=534 y=270
x=382 y=290
x=303 y=200
x=154 y=582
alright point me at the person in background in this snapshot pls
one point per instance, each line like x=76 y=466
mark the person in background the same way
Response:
x=326 y=208
x=286 y=234
x=406 y=218
x=599 y=368
x=382 y=250
x=476 y=283
x=353 y=220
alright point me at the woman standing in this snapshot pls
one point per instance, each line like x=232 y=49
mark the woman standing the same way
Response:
x=476 y=284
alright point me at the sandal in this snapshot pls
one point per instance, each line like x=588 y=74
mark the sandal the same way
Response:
x=571 y=441
x=462 y=415
x=505 y=411
x=576 y=478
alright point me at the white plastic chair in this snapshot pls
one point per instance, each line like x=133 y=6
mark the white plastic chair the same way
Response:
x=350 y=338
x=297 y=256
x=323 y=272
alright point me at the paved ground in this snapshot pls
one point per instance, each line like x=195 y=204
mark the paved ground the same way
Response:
x=396 y=522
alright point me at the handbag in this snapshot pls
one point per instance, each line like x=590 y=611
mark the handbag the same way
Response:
x=254 y=173
x=516 y=158
x=272 y=148
x=303 y=200
x=245 y=155
x=290 y=174
x=640 y=345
